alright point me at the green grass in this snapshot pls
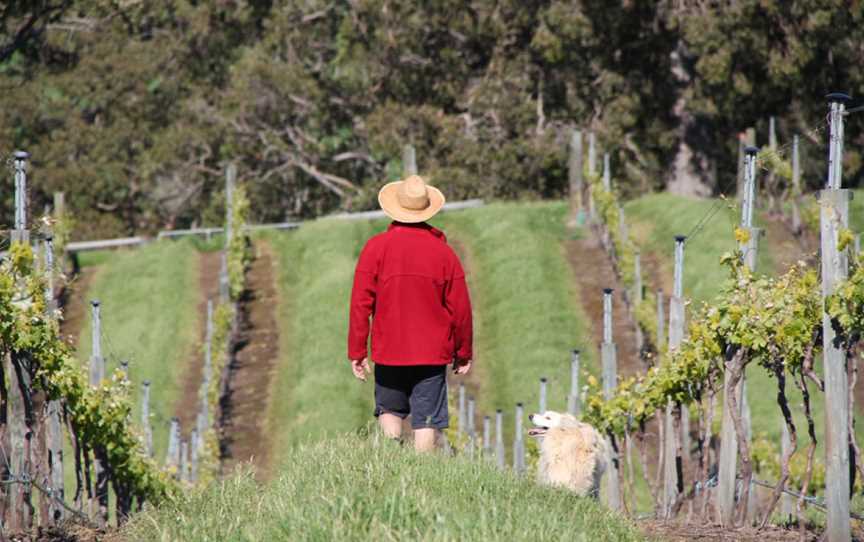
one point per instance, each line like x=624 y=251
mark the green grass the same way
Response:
x=314 y=392
x=658 y=218
x=149 y=317
x=352 y=488
x=526 y=306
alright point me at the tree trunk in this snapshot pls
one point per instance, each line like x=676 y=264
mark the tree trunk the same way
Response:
x=691 y=175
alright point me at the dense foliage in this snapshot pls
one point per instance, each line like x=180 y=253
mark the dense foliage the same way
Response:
x=134 y=108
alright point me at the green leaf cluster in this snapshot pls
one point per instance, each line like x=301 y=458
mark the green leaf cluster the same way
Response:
x=775 y=321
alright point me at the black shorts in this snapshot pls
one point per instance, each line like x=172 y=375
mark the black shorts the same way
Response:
x=419 y=390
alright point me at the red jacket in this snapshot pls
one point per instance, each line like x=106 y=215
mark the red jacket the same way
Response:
x=411 y=283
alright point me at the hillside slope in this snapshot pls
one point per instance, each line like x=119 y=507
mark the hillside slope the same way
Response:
x=355 y=488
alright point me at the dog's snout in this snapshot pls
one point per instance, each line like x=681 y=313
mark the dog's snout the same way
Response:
x=531 y=417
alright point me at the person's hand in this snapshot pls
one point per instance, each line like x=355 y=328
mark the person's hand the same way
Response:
x=360 y=367
x=462 y=366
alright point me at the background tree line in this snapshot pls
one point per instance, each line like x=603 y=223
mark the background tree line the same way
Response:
x=133 y=107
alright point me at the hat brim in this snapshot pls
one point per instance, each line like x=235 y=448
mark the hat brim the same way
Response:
x=389 y=203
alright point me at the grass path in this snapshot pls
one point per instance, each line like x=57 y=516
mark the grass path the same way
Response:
x=314 y=392
x=352 y=488
x=528 y=316
x=149 y=317
x=528 y=312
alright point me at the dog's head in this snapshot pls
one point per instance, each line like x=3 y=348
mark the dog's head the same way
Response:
x=549 y=420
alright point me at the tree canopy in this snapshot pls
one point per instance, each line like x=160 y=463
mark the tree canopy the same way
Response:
x=133 y=108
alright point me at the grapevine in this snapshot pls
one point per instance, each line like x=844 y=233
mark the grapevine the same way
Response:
x=224 y=316
x=774 y=323
x=99 y=414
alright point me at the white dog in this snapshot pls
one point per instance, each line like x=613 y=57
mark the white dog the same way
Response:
x=572 y=454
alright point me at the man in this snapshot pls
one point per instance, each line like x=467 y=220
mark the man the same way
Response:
x=411 y=283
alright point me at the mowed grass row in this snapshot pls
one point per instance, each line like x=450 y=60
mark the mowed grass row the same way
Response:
x=354 y=487
x=314 y=393
x=527 y=316
x=150 y=318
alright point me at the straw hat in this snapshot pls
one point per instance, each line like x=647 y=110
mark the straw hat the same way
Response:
x=410 y=200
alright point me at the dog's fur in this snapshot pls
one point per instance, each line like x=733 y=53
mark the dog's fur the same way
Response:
x=572 y=454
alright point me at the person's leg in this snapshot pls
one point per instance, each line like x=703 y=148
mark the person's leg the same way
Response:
x=429 y=406
x=390 y=424
x=424 y=439
x=391 y=399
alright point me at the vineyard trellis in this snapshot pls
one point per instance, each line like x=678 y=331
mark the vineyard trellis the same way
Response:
x=776 y=323
x=47 y=393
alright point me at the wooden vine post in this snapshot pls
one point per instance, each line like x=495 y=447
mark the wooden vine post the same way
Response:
x=470 y=427
x=542 y=401
x=461 y=420
x=674 y=424
x=728 y=458
x=573 y=397
x=607 y=173
x=500 y=460
x=771 y=176
x=519 y=442
x=592 y=171
x=230 y=180
x=747 y=139
x=172 y=455
x=834 y=218
x=17 y=434
x=487 y=437
x=53 y=411
x=97 y=375
x=608 y=355
x=145 y=418
x=575 y=176
x=202 y=421
x=638 y=293
x=606 y=236
x=796 y=185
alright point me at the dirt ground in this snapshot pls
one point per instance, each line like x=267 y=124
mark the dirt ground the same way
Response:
x=673 y=531
x=245 y=405
x=186 y=409
x=786 y=248
x=73 y=301
x=593 y=271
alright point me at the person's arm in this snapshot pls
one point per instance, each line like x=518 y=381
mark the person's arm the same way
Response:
x=362 y=304
x=459 y=302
